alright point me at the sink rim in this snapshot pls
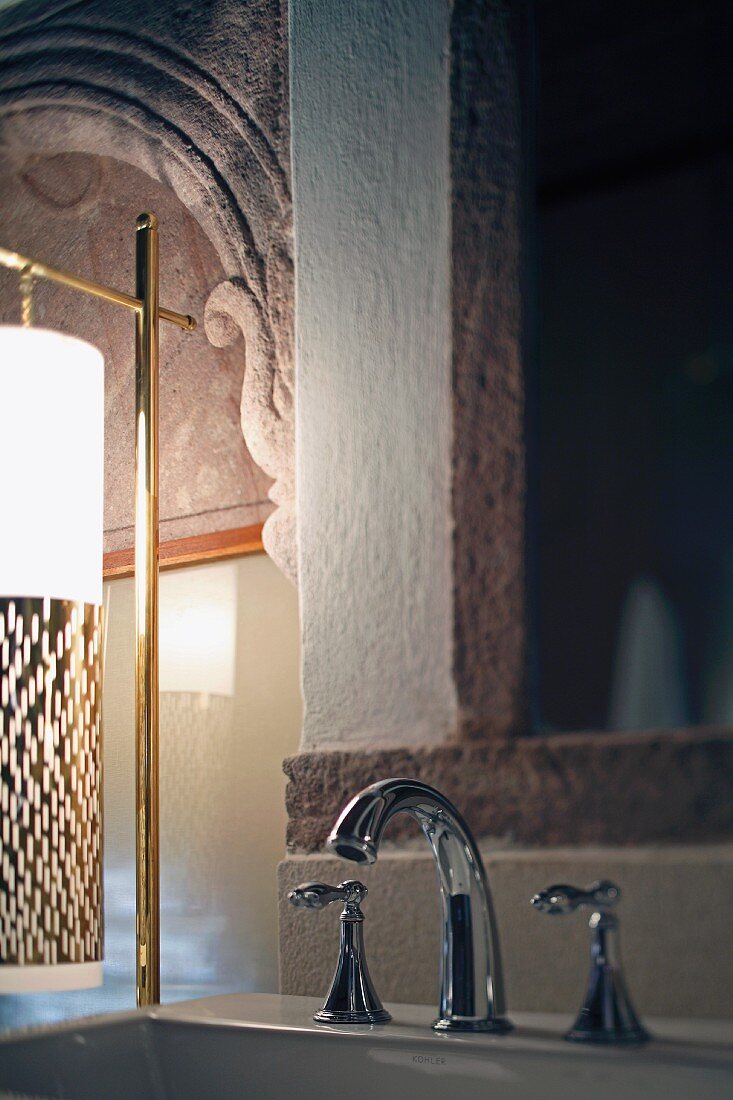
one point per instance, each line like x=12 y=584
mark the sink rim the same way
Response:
x=287 y=1012
x=535 y=1033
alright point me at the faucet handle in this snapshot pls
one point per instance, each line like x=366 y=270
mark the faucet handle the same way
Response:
x=352 y=998
x=319 y=895
x=607 y=1015
x=562 y=899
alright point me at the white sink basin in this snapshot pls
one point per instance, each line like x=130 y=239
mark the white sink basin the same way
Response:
x=266 y=1047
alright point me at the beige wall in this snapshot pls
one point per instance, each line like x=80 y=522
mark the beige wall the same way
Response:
x=222 y=798
x=674 y=919
x=222 y=803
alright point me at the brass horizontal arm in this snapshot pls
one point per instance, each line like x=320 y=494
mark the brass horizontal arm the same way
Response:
x=37 y=270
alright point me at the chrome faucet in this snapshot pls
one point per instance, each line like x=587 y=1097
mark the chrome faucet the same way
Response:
x=471 y=987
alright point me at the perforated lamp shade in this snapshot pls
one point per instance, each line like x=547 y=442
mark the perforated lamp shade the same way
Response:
x=51 y=519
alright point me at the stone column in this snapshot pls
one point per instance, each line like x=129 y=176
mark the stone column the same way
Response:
x=406 y=175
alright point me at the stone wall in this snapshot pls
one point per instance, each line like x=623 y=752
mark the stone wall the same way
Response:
x=416 y=661
x=575 y=788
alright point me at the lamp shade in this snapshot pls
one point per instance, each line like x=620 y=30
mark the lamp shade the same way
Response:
x=51 y=509
x=52 y=456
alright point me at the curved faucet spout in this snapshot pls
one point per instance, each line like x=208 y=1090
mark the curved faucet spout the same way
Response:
x=471 y=987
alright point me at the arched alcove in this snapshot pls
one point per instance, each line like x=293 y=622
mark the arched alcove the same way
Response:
x=200 y=106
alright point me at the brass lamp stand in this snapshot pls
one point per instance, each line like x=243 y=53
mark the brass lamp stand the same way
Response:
x=148 y=314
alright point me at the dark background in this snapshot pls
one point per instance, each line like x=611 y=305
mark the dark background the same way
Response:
x=631 y=511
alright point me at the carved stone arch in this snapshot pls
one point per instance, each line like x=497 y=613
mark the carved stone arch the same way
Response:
x=114 y=80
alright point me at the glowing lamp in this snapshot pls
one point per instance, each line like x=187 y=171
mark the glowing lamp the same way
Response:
x=51 y=503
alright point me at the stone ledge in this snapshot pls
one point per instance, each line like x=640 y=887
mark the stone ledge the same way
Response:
x=659 y=786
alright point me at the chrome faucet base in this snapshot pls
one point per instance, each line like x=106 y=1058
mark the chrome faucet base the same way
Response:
x=607 y=1016
x=352 y=999
x=357 y=1016
x=498 y=1025
x=580 y=1033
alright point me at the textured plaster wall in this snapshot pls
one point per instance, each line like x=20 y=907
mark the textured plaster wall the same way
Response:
x=370 y=130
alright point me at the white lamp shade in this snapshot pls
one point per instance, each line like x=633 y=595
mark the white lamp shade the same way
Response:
x=51 y=504
x=52 y=463
x=198 y=628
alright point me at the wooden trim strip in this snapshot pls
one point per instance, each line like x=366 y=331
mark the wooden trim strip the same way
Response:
x=215 y=546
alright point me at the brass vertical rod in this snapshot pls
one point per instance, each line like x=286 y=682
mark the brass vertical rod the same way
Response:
x=146 y=611
x=26 y=296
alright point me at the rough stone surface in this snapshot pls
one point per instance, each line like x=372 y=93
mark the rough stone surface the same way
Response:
x=488 y=418
x=196 y=97
x=208 y=480
x=675 y=948
x=622 y=789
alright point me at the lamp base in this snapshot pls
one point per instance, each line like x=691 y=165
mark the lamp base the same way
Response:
x=45 y=978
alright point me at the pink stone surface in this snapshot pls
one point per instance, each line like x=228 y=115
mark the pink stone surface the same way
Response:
x=191 y=100
x=78 y=212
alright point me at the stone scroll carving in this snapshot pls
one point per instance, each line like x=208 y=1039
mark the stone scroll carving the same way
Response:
x=196 y=96
x=267 y=397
